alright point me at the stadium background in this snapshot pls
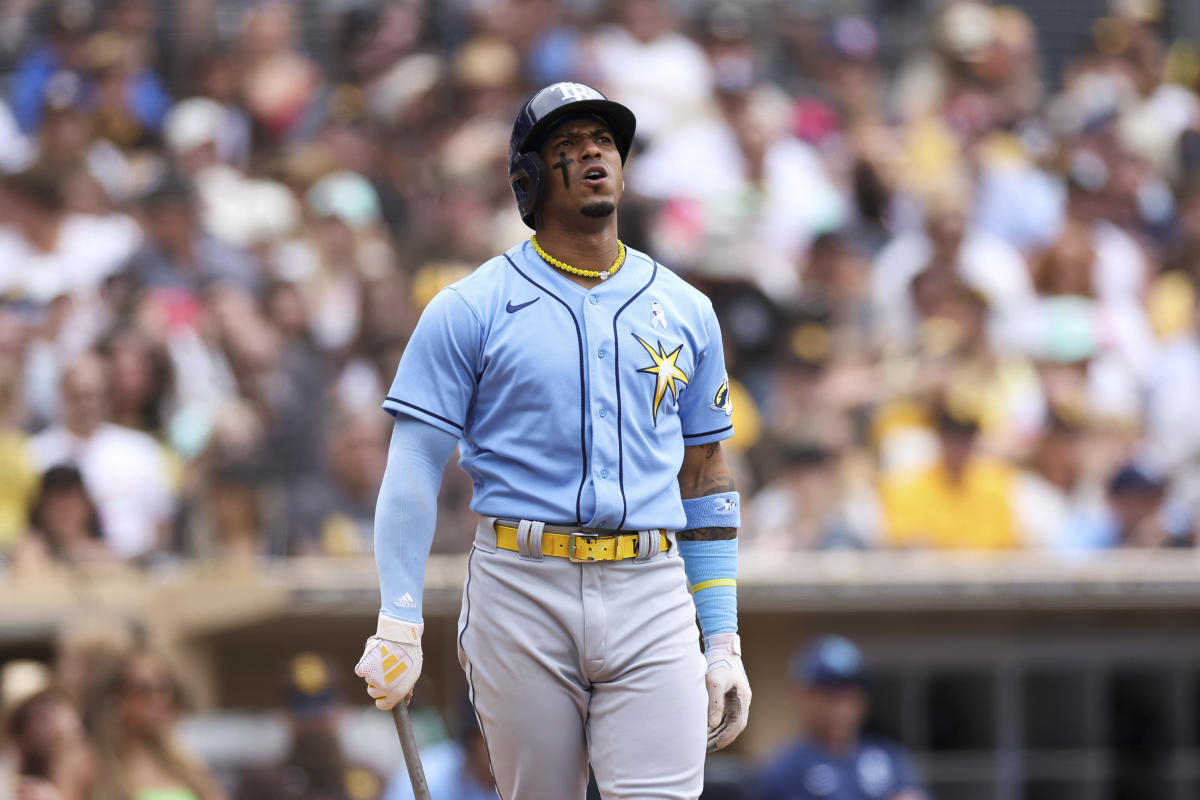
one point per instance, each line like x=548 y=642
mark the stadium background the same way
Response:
x=929 y=228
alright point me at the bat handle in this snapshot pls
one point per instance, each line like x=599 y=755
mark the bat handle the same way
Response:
x=408 y=743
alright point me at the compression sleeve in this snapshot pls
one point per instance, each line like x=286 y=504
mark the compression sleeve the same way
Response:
x=406 y=513
x=711 y=566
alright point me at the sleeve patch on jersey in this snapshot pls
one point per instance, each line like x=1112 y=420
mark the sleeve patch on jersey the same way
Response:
x=721 y=400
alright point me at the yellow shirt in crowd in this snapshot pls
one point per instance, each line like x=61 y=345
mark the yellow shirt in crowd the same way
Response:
x=924 y=508
x=17 y=488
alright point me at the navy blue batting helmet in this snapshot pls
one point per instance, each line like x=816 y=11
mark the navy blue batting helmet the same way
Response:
x=526 y=170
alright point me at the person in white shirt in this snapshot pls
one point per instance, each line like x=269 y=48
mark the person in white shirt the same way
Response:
x=126 y=471
x=661 y=74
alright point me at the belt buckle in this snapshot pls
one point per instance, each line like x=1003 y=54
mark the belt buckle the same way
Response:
x=573 y=543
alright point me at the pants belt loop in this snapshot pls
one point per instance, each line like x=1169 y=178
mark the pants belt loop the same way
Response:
x=485 y=533
x=647 y=545
x=529 y=539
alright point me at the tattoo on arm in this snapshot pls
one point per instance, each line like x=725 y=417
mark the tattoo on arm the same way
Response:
x=706 y=534
x=718 y=485
x=705 y=473
x=714 y=485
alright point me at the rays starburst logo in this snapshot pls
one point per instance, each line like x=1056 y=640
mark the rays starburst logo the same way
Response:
x=668 y=376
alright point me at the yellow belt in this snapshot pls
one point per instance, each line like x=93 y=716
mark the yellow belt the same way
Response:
x=581 y=547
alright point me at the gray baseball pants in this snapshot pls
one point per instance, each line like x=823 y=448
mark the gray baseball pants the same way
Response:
x=576 y=663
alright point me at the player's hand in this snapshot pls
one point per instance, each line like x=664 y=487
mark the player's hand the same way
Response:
x=728 y=689
x=391 y=662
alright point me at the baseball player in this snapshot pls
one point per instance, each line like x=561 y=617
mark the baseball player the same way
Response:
x=584 y=385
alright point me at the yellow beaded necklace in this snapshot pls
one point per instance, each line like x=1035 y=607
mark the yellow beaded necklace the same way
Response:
x=587 y=273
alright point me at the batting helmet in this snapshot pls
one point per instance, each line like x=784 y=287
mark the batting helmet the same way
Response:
x=526 y=170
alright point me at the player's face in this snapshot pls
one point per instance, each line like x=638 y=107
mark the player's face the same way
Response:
x=584 y=169
x=833 y=715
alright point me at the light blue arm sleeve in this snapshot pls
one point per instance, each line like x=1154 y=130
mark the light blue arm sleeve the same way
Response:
x=406 y=512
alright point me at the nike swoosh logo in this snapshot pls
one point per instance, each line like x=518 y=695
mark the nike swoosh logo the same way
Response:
x=510 y=308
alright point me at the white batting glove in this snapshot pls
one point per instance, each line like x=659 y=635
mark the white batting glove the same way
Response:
x=728 y=689
x=391 y=662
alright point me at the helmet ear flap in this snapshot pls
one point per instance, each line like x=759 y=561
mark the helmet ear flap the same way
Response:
x=527 y=176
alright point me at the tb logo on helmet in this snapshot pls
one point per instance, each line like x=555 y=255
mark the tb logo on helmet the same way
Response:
x=572 y=92
x=539 y=115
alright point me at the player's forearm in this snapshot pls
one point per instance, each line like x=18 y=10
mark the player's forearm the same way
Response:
x=406 y=514
x=705 y=473
x=708 y=541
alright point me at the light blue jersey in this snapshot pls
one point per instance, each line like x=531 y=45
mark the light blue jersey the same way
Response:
x=572 y=406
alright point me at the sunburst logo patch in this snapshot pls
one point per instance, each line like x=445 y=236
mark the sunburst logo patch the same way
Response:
x=668 y=376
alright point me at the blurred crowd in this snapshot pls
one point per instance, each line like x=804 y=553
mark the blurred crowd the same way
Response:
x=96 y=724
x=958 y=292
x=100 y=721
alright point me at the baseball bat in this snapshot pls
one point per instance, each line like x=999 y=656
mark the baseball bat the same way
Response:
x=412 y=758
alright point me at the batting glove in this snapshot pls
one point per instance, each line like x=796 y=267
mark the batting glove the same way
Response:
x=391 y=662
x=728 y=689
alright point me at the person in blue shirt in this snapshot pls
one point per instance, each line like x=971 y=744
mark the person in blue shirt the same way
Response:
x=834 y=760
x=455 y=769
x=584 y=386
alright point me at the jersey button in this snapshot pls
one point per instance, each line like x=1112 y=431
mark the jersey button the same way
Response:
x=593 y=299
x=604 y=412
x=603 y=473
x=600 y=354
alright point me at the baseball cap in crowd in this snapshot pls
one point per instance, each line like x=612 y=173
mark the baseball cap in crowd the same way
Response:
x=831 y=662
x=1134 y=477
x=20 y=679
x=192 y=123
x=345 y=195
x=309 y=688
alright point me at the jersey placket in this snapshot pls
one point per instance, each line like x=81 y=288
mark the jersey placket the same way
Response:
x=602 y=407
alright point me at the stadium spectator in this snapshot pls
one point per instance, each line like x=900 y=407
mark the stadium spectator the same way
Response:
x=739 y=216
x=63 y=50
x=334 y=515
x=835 y=279
x=1058 y=497
x=53 y=758
x=279 y=83
x=178 y=253
x=87 y=648
x=660 y=73
x=130 y=722
x=139 y=379
x=46 y=252
x=65 y=526
x=1136 y=514
x=20 y=477
x=125 y=470
x=949 y=243
x=834 y=758
x=963 y=501
x=316 y=767
x=342 y=254
x=457 y=767
x=811 y=505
